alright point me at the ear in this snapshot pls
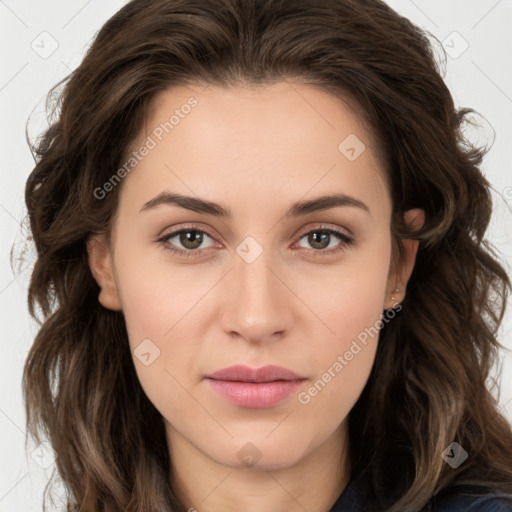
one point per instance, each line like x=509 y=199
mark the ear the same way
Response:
x=401 y=272
x=100 y=263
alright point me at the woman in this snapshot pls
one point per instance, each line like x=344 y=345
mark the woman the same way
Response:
x=262 y=269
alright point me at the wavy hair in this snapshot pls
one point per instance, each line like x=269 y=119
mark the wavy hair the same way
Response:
x=428 y=386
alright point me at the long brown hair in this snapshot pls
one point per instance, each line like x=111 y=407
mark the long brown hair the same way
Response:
x=428 y=384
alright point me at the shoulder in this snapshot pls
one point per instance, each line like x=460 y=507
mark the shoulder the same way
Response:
x=492 y=504
x=355 y=498
x=465 y=502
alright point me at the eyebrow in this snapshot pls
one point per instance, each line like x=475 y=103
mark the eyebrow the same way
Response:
x=298 y=209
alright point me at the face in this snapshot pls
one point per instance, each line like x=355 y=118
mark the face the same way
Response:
x=252 y=270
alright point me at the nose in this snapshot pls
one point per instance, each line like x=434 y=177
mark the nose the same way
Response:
x=257 y=304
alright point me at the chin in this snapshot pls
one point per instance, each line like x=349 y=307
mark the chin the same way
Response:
x=259 y=454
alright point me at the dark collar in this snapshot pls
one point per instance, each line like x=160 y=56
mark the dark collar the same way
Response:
x=353 y=497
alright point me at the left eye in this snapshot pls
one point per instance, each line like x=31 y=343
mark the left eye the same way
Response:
x=190 y=239
x=318 y=238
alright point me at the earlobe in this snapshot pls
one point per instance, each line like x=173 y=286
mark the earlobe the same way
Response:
x=100 y=263
x=397 y=282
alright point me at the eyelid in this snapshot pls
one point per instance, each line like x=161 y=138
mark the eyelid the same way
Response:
x=321 y=226
x=184 y=225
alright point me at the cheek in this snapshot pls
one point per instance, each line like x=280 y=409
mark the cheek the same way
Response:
x=352 y=306
x=156 y=297
x=354 y=300
x=161 y=305
x=344 y=360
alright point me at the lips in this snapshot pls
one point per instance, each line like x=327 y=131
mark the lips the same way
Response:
x=240 y=373
x=255 y=388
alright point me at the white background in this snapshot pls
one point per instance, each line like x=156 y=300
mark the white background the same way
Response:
x=479 y=77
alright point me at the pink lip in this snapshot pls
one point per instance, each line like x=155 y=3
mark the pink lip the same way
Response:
x=242 y=373
x=256 y=388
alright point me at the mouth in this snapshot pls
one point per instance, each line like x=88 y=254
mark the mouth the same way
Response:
x=255 y=388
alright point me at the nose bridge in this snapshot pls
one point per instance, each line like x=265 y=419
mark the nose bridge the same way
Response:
x=257 y=305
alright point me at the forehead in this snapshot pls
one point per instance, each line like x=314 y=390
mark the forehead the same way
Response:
x=296 y=112
x=281 y=140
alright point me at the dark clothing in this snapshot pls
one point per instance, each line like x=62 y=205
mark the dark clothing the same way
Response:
x=353 y=499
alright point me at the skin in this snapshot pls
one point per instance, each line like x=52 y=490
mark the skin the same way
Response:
x=255 y=151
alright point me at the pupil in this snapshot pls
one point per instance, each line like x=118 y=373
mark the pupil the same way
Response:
x=319 y=241
x=188 y=241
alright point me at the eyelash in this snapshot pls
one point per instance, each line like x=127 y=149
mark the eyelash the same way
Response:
x=342 y=237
